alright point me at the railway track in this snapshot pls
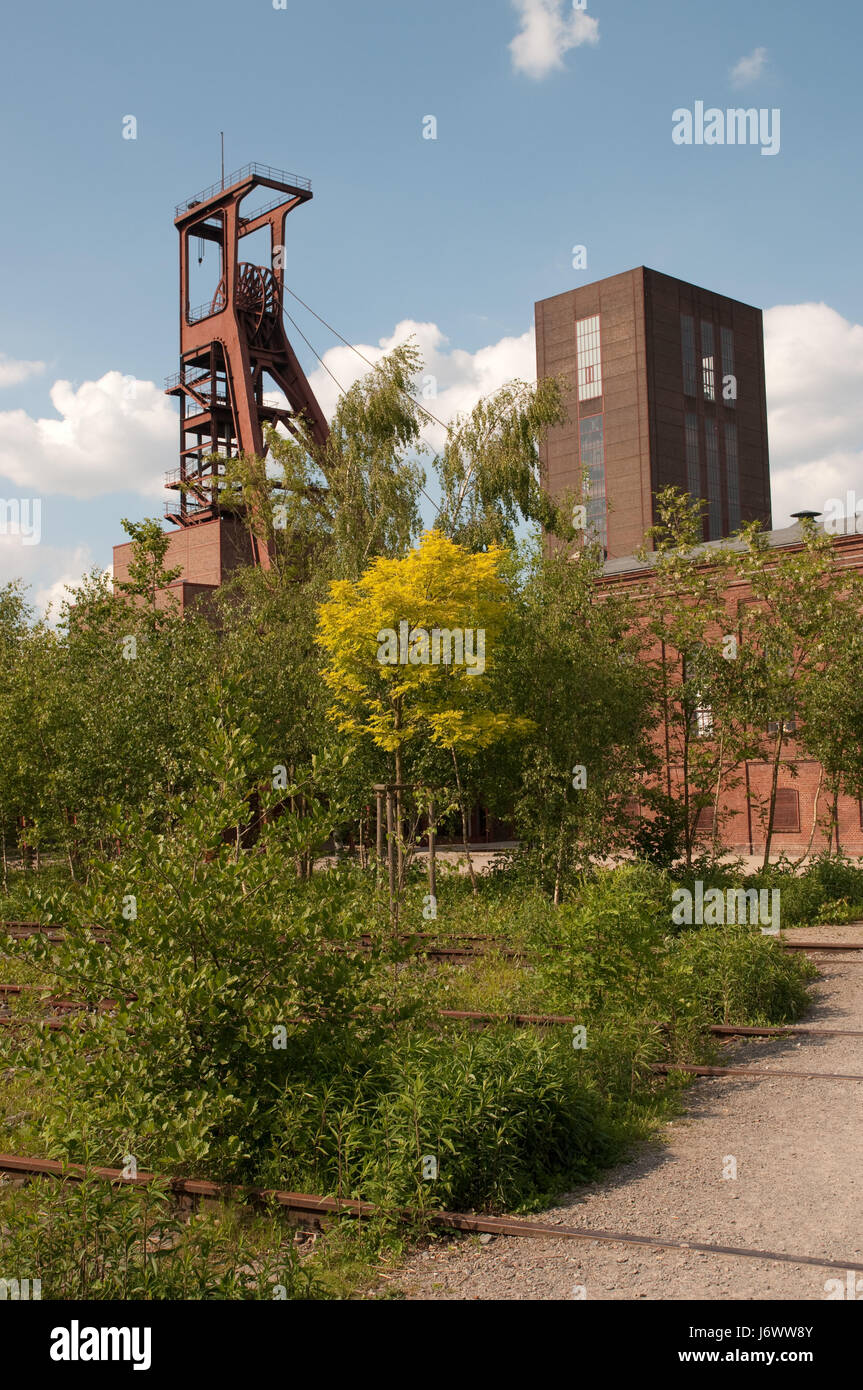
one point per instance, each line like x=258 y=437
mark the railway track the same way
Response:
x=308 y=1208
x=478 y=945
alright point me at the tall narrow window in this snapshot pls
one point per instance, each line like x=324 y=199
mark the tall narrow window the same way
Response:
x=693 y=460
x=729 y=380
x=700 y=712
x=589 y=360
x=687 y=338
x=707 y=353
x=714 y=495
x=732 y=473
x=593 y=459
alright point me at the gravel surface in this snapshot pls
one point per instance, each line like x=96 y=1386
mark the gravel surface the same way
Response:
x=798 y=1145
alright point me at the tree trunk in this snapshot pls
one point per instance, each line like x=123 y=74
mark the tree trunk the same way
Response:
x=432 y=861
x=715 y=841
x=688 y=823
x=774 y=781
x=464 y=822
x=808 y=849
x=558 y=868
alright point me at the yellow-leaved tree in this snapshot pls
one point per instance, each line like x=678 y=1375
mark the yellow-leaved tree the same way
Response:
x=409 y=645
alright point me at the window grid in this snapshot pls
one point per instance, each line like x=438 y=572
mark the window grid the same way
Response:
x=714 y=497
x=707 y=352
x=727 y=337
x=732 y=475
x=592 y=444
x=702 y=712
x=687 y=336
x=693 y=461
x=589 y=358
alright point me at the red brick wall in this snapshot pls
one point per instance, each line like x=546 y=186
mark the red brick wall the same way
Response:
x=744 y=832
x=207 y=552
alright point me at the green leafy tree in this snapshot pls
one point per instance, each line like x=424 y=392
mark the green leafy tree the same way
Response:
x=572 y=666
x=801 y=628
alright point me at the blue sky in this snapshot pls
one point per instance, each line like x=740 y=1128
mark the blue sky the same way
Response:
x=562 y=139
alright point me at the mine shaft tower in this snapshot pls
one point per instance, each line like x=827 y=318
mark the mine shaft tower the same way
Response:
x=234 y=352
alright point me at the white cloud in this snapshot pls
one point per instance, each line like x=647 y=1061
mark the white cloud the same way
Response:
x=814 y=365
x=452 y=380
x=547 y=33
x=48 y=570
x=113 y=435
x=750 y=68
x=13 y=372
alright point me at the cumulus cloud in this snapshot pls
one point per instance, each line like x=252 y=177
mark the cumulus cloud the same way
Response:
x=113 y=435
x=750 y=68
x=549 y=29
x=12 y=372
x=48 y=571
x=814 y=366
x=452 y=380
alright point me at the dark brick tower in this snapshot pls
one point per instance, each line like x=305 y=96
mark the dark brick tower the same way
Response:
x=665 y=385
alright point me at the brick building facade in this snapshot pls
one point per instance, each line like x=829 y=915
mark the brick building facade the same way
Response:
x=207 y=554
x=664 y=386
x=799 y=776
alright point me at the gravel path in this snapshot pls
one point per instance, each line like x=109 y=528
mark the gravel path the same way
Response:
x=799 y=1152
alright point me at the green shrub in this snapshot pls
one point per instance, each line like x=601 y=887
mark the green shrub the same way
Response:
x=507 y=1116
x=829 y=890
x=87 y=1240
x=735 y=975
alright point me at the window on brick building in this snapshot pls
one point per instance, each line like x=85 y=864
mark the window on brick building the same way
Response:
x=732 y=474
x=708 y=374
x=789 y=726
x=786 y=814
x=687 y=339
x=727 y=339
x=693 y=459
x=592 y=447
x=714 y=484
x=589 y=358
x=701 y=712
x=705 y=819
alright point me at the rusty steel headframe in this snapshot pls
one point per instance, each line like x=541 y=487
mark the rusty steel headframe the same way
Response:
x=236 y=339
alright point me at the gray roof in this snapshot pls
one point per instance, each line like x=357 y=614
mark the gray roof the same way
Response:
x=787 y=535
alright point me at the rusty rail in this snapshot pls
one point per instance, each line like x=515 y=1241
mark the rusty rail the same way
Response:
x=307 y=1205
x=751 y=1074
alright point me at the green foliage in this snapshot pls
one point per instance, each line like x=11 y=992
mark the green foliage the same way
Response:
x=87 y=1240
x=507 y=1117
x=572 y=668
x=829 y=890
x=208 y=955
x=733 y=974
x=489 y=471
x=147 y=573
x=605 y=959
